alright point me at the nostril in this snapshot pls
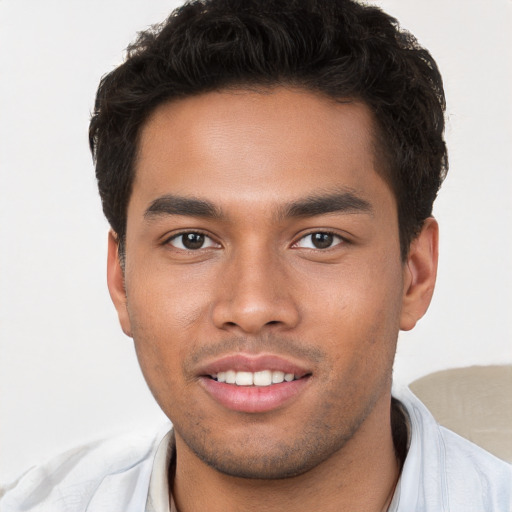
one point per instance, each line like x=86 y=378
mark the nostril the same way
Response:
x=251 y=314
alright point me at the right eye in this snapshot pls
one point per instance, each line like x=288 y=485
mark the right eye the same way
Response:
x=191 y=241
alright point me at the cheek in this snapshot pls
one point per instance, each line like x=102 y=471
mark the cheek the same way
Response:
x=357 y=313
x=368 y=290
x=160 y=353
x=166 y=314
x=167 y=300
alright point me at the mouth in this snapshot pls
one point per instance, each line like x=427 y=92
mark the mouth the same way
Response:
x=254 y=384
x=260 y=378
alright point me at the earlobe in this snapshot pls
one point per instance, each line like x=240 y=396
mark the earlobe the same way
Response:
x=115 y=280
x=420 y=271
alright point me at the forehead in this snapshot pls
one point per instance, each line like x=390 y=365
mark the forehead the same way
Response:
x=279 y=143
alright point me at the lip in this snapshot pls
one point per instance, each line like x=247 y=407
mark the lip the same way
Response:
x=253 y=399
x=248 y=363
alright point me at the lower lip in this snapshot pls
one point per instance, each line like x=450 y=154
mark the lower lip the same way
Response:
x=254 y=399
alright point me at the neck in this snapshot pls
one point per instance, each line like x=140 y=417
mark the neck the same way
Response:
x=361 y=476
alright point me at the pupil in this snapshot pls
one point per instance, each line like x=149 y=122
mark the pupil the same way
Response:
x=322 y=240
x=193 y=240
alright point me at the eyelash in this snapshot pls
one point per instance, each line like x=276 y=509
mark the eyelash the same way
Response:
x=341 y=240
x=177 y=236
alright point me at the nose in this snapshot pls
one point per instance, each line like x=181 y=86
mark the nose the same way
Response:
x=255 y=293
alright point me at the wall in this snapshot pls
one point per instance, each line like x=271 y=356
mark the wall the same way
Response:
x=67 y=373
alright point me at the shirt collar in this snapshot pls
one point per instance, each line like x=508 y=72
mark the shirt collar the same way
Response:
x=159 y=498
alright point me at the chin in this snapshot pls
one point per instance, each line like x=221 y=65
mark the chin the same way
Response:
x=259 y=459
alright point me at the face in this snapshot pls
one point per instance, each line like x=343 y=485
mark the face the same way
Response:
x=263 y=285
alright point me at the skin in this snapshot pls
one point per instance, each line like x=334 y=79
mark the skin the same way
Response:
x=259 y=286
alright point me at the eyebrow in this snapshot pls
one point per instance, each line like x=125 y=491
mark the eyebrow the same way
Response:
x=340 y=202
x=179 y=205
x=318 y=204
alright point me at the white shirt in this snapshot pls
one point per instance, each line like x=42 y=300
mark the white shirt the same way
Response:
x=442 y=473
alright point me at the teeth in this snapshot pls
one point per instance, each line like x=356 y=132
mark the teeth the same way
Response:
x=262 y=378
x=244 y=379
x=277 y=377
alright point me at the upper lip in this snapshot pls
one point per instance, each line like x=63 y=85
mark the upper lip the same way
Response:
x=252 y=363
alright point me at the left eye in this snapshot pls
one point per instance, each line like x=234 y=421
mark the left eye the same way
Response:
x=319 y=240
x=191 y=241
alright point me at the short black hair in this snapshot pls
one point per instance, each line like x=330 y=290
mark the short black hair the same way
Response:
x=339 y=48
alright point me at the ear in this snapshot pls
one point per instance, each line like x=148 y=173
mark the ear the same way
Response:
x=420 y=271
x=115 y=280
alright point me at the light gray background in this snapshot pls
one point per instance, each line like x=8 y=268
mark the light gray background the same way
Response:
x=67 y=373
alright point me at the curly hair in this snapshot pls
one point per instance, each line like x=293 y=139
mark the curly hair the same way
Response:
x=339 y=48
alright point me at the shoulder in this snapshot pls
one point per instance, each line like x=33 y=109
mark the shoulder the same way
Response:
x=92 y=477
x=444 y=471
x=473 y=472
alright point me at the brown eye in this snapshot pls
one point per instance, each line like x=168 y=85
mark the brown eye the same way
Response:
x=319 y=240
x=191 y=241
x=322 y=240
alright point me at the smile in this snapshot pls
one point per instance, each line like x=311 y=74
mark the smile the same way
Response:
x=249 y=383
x=260 y=378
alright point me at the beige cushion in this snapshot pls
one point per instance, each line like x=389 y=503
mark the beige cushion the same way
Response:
x=475 y=402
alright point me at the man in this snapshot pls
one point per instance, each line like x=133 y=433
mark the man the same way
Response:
x=268 y=170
